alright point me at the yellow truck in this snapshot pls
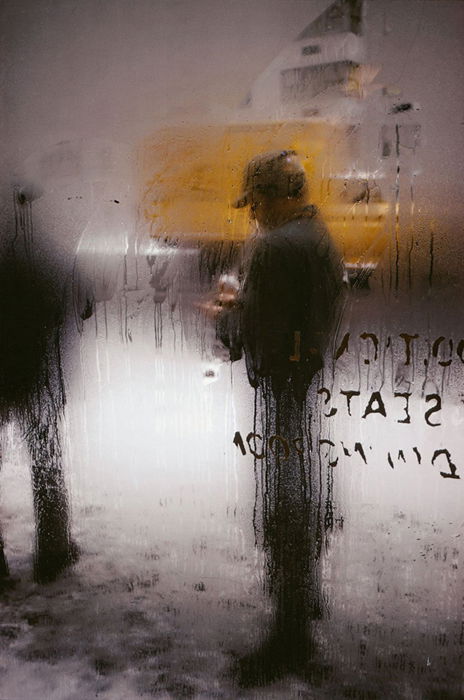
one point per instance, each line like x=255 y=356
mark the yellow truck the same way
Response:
x=192 y=175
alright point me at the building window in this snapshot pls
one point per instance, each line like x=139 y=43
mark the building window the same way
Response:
x=311 y=50
x=309 y=81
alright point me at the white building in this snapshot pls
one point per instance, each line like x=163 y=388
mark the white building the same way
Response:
x=310 y=77
x=390 y=71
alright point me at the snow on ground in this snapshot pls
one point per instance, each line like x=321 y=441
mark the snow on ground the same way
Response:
x=168 y=590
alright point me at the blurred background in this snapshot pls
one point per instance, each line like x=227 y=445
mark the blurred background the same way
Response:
x=125 y=130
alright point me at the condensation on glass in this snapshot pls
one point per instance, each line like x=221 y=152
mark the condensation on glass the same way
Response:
x=232 y=350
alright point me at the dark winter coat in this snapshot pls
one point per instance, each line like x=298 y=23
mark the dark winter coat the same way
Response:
x=289 y=300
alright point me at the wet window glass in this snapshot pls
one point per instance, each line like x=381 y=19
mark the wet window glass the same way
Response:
x=231 y=349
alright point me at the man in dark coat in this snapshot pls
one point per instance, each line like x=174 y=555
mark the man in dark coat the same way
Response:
x=282 y=316
x=291 y=278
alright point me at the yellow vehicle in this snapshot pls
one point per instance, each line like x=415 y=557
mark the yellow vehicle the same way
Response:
x=192 y=175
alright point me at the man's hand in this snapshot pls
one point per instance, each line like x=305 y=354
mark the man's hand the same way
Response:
x=225 y=297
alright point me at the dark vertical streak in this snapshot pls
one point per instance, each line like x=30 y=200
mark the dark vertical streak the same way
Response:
x=105 y=316
x=158 y=324
x=255 y=462
x=431 y=254
x=411 y=246
x=397 y=209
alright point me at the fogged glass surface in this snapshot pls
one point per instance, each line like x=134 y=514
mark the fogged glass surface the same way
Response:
x=232 y=350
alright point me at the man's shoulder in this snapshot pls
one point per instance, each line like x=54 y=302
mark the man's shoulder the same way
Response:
x=305 y=231
x=304 y=238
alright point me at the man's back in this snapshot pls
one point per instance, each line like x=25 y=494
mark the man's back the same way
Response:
x=292 y=284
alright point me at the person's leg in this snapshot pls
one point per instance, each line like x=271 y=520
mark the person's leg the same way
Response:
x=4 y=571
x=294 y=542
x=291 y=507
x=54 y=548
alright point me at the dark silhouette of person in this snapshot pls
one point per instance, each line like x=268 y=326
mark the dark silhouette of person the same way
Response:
x=281 y=317
x=32 y=391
